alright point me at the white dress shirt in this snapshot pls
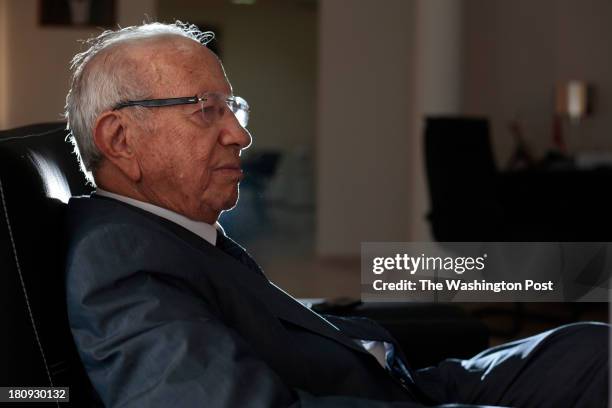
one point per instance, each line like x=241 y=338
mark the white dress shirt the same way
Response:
x=202 y=229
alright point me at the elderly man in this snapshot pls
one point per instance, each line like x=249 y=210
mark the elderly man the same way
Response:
x=167 y=311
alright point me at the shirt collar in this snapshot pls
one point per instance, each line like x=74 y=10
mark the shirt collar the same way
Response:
x=205 y=231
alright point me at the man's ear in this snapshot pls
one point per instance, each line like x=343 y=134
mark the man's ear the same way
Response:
x=111 y=138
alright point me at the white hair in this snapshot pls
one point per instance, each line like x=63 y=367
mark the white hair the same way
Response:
x=98 y=85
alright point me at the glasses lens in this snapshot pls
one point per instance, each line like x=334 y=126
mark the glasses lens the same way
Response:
x=240 y=107
x=214 y=106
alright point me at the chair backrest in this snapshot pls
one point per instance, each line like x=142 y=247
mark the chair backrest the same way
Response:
x=38 y=174
x=461 y=174
x=458 y=156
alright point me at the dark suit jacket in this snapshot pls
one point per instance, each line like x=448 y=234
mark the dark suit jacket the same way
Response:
x=161 y=318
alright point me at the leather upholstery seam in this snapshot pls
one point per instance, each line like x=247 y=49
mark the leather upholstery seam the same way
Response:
x=23 y=288
x=45 y=133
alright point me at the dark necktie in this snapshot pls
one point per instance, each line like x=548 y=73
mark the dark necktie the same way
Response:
x=237 y=252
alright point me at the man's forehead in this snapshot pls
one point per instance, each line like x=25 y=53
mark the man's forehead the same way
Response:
x=180 y=65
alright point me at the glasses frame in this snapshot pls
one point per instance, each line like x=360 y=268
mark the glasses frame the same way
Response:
x=185 y=100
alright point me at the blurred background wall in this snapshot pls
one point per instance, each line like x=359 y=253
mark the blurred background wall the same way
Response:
x=3 y=62
x=365 y=112
x=515 y=54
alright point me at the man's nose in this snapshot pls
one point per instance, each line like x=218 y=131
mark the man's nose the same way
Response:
x=235 y=134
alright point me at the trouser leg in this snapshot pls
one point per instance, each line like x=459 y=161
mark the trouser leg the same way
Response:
x=564 y=367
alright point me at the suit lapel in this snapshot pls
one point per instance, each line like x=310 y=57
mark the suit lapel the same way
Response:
x=279 y=302
x=287 y=308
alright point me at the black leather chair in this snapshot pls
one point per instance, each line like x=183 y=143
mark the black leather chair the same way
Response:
x=36 y=348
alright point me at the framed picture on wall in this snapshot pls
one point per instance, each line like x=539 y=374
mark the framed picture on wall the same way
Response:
x=77 y=13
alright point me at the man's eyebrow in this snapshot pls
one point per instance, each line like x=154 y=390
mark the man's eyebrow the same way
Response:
x=200 y=94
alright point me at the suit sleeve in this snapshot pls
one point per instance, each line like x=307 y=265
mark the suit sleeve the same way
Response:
x=148 y=340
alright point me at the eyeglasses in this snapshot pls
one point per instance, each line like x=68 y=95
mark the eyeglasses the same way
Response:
x=213 y=106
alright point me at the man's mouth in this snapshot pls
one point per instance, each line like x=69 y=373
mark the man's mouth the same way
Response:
x=230 y=169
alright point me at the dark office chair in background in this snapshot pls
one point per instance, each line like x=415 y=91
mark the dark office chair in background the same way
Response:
x=38 y=173
x=462 y=177
x=472 y=201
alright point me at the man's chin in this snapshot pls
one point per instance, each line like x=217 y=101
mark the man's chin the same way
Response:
x=219 y=201
x=230 y=202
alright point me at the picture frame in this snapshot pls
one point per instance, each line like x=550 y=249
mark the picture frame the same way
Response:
x=77 y=13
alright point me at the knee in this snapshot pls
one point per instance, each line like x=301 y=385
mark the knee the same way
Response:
x=587 y=329
x=591 y=335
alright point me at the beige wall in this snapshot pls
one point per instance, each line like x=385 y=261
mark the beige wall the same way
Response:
x=36 y=60
x=365 y=116
x=3 y=61
x=438 y=62
x=269 y=53
x=517 y=51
